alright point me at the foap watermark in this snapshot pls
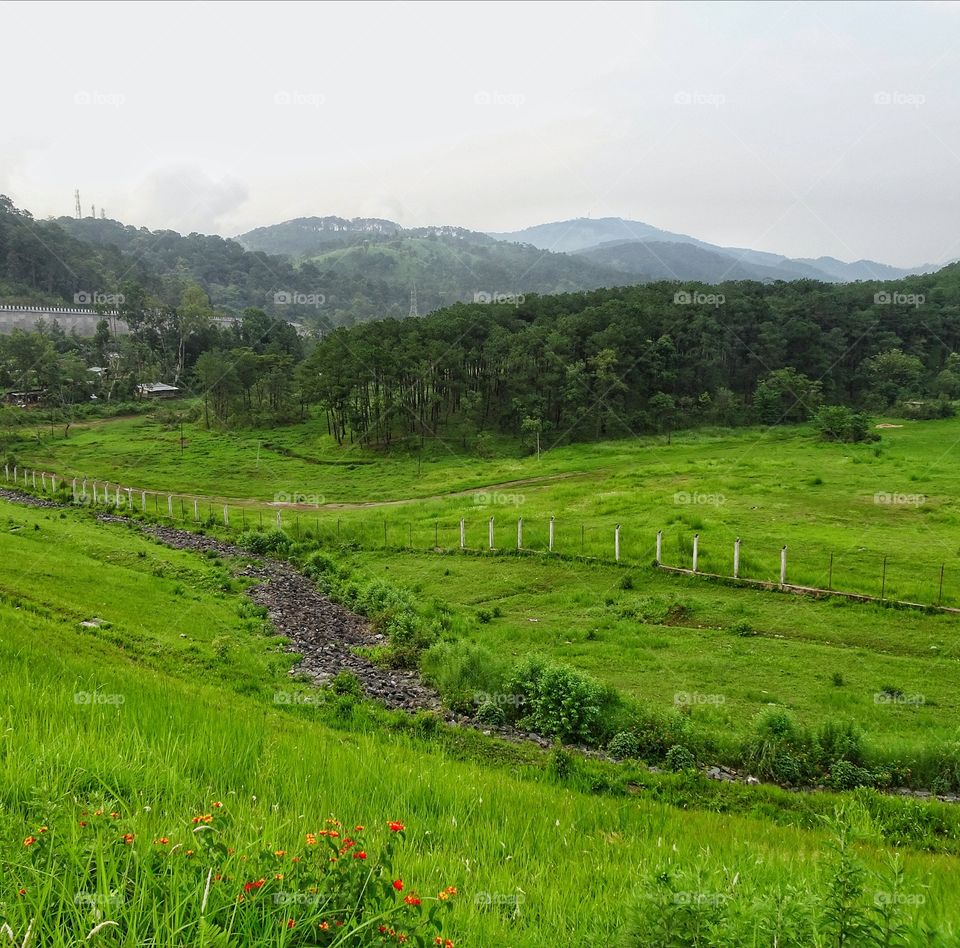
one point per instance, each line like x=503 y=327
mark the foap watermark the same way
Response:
x=296 y=298
x=697 y=697
x=97 y=298
x=712 y=99
x=500 y=699
x=300 y=499
x=913 y=99
x=97 y=697
x=513 y=99
x=296 y=698
x=512 y=299
x=699 y=898
x=112 y=99
x=507 y=899
x=683 y=498
x=887 y=499
x=686 y=298
x=881 y=899
x=898 y=697
x=93 y=900
x=497 y=499
x=885 y=298
x=297 y=898
x=292 y=97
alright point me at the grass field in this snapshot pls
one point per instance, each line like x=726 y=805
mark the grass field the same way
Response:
x=656 y=637
x=840 y=509
x=182 y=674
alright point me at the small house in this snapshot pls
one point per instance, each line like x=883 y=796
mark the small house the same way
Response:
x=157 y=390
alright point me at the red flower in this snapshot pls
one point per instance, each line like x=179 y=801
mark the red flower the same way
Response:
x=396 y=827
x=291 y=922
x=360 y=855
x=23 y=892
x=83 y=823
x=411 y=900
x=218 y=804
x=398 y=884
x=128 y=838
x=30 y=840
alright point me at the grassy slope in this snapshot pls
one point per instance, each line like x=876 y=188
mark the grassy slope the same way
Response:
x=769 y=487
x=184 y=735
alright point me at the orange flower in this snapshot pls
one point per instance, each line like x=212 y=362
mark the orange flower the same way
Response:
x=280 y=852
x=290 y=923
x=218 y=804
x=396 y=827
x=83 y=823
x=360 y=855
x=22 y=892
x=358 y=829
x=42 y=829
x=98 y=812
x=162 y=841
x=30 y=840
x=278 y=875
x=411 y=900
x=324 y=926
x=205 y=818
x=128 y=838
x=114 y=816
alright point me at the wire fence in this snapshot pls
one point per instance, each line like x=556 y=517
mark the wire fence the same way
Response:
x=798 y=566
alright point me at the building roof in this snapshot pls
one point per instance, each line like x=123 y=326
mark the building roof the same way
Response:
x=157 y=387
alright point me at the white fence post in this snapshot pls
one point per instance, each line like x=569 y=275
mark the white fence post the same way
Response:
x=519 y=533
x=196 y=510
x=783 y=566
x=33 y=475
x=53 y=481
x=170 y=504
x=129 y=497
x=616 y=543
x=6 y=472
x=94 y=492
x=83 y=493
x=463 y=534
x=696 y=550
x=226 y=516
x=550 y=541
x=14 y=475
x=74 y=485
x=659 y=558
x=143 y=501
x=118 y=500
x=490 y=532
x=279 y=519
x=736 y=558
x=43 y=481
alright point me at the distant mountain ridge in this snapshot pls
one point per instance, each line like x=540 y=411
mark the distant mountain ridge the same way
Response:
x=597 y=239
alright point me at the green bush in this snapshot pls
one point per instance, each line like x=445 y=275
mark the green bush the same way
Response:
x=624 y=744
x=679 y=758
x=264 y=543
x=557 y=701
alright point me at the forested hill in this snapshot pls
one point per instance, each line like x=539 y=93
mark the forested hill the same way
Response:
x=645 y=358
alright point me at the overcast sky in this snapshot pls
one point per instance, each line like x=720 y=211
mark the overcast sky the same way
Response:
x=802 y=128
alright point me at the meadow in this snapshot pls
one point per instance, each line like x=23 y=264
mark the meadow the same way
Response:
x=501 y=823
x=128 y=739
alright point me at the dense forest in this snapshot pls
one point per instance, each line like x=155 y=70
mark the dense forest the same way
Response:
x=651 y=358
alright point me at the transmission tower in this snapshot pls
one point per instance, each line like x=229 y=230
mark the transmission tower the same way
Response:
x=76 y=195
x=413 y=301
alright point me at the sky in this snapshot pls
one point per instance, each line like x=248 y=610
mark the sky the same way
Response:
x=803 y=128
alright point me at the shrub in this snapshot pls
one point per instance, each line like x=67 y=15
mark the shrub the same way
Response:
x=743 y=628
x=346 y=683
x=838 y=423
x=844 y=775
x=265 y=543
x=680 y=758
x=623 y=744
x=839 y=741
x=556 y=701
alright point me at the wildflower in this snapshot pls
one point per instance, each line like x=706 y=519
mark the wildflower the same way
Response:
x=278 y=875
x=358 y=829
x=162 y=841
x=324 y=926
x=291 y=922
x=98 y=812
x=128 y=838
x=311 y=839
x=382 y=929
x=22 y=892
x=189 y=852
x=114 y=816
x=451 y=890
x=83 y=823
x=217 y=805
x=30 y=840
x=280 y=852
x=398 y=884
x=205 y=818
x=443 y=896
x=294 y=859
x=396 y=827
x=360 y=855
x=333 y=822
x=411 y=900
x=42 y=829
